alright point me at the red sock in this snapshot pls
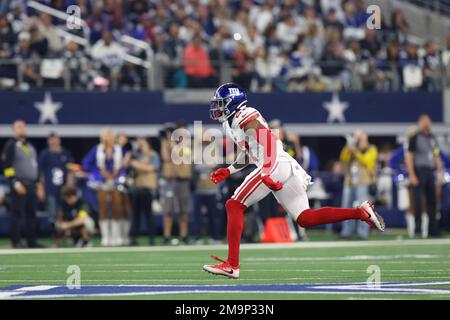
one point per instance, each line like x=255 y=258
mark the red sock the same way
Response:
x=310 y=218
x=235 y=226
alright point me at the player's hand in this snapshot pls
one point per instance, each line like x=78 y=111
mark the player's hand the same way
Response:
x=219 y=175
x=272 y=185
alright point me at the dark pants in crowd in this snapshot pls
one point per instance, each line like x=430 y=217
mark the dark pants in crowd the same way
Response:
x=142 y=204
x=427 y=187
x=210 y=202
x=24 y=206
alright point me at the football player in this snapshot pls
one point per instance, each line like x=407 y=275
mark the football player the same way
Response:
x=276 y=171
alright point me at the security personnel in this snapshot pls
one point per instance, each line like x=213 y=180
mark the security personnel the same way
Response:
x=422 y=161
x=20 y=166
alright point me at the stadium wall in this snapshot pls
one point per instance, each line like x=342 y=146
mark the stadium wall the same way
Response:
x=82 y=114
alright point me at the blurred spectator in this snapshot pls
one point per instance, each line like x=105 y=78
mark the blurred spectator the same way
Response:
x=253 y=41
x=176 y=183
x=308 y=20
x=332 y=20
x=146 y=166
x=371 y=42
x=54 y=165
x=77 y=66
x=7 y=38
x=287 y=31
x=167 y=181
x=359 y=158
x=73 y=219
x=333 y=61
x=264 y=15
x=305 y=155
x=173 y=48
x=27 y=67
x=38 y=41
x=272 y=43
x=314 y=41
x=2 y=194
x=7 y=43
x=335 y=6
x=49 y=31
x=104 y=165
x=197 y=64
x=17 y=16
x=183 y=180
x=431 y=67
x=354 y=21
x=109 y=54
x=178 y=62
x=399 y=26
x=358 y=63
x=412 y=70
x=206 y=193
x=242 y=66
x=301 y=64
x=422 y=160
x=20 y=165
x=269 y=71
x=389 y=63
x=405 y=195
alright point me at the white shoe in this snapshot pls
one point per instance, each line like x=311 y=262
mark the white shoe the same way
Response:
x=116 y=239
x=125 y=231
x=105 y=242
x=105 y=232
x=372 y=218
x=222 y=269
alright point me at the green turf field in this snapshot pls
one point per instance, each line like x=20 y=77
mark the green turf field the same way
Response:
x=424 y=265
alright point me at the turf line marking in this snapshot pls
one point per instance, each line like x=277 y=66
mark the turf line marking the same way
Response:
x=252 y=246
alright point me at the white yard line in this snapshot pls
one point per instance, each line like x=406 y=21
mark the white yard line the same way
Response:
x=253 y=246
x=175 y=281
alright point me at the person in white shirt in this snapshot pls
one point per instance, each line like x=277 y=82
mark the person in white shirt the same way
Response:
x=108 y=52
x=288 y=31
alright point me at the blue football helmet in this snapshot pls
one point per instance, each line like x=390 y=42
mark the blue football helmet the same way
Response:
x=228 y=98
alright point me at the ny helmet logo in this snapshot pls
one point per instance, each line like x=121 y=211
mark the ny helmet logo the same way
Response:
x=234 y=91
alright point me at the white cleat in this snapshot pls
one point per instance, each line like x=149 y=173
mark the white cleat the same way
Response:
x=373 y=218
x=222 y=269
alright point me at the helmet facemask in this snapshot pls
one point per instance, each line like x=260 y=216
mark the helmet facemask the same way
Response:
x=219 y=109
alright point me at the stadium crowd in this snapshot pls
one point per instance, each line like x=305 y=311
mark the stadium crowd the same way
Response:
x=123 y=182
x=286 y=45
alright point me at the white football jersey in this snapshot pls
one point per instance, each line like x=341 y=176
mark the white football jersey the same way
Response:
x=247 y=142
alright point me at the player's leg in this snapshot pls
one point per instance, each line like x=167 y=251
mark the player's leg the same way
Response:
x=294 y=199
x=249 y=192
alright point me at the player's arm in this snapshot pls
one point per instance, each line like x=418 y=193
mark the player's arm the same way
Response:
x=242 y=160
x=268 y=141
